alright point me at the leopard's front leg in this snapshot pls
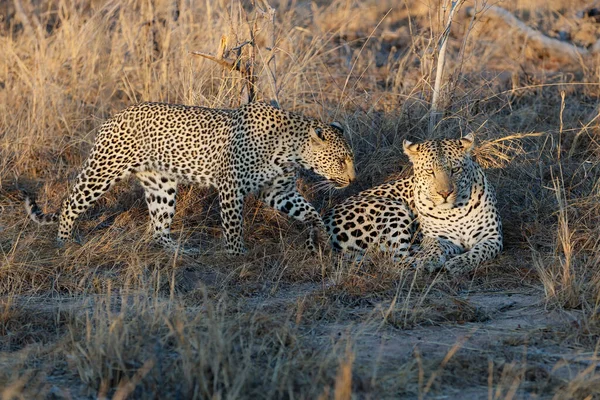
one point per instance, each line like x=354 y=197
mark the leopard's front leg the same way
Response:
x=283 y=195
x=482 y=251
x=232 y=214
x=434 y=253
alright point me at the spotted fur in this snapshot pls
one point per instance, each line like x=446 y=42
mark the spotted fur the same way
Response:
x=254 y=149
x=448 y=197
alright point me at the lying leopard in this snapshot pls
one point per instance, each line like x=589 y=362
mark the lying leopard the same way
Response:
x=253 y=149
x=448 y=196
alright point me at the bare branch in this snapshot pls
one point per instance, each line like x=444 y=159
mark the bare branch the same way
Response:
x=268 y=13
x=242 y=58
x=436 y=112
x=238 y=48
x=221 y=61
x=249 y=90
x=558 y=48
x=222 y=52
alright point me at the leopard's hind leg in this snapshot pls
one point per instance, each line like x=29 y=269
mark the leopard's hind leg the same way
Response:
x=95 y=179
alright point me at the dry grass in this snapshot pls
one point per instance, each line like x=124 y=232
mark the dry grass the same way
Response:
x=115 y=317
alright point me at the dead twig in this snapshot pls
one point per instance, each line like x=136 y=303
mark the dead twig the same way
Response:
x=232 y=59
x=436 y=109
x=268 y=13
x=222 y=57
x=558 y=48
x=236 y=63
x=221 y=61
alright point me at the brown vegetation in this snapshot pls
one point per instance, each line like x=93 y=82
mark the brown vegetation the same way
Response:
x=116 y=317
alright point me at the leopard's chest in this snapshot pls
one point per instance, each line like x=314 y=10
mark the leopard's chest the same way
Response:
x=461 y=225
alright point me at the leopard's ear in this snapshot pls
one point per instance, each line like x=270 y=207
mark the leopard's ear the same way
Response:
x=468 y=142
x=410 y=149
x=337 y=126
x=316 y=136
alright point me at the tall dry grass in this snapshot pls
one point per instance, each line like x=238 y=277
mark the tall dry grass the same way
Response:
x=114 y=317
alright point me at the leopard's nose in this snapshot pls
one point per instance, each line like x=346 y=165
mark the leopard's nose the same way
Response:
x=445 y=193
x=351 y=175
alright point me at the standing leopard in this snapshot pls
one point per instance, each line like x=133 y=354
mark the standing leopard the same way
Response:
x=448 y=197
x=253 y=149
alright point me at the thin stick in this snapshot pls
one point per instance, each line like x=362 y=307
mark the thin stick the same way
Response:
x=245 y=68
x=436 y=112
x=560 y=132
x=221 y=61
x=268 y=13
x=249 y=89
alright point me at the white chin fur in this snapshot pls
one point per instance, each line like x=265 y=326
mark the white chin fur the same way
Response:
x=445 y=206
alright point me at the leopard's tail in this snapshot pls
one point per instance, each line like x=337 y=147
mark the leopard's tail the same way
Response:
x=36 y=214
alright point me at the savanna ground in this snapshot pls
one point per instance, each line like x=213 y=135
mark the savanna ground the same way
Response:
x=116 y=317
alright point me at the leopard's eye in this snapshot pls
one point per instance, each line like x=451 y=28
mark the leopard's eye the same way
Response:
x=429 y=171
x=455 y=170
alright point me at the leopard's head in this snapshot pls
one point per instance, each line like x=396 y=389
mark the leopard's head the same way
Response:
x=443 y=171
x=327 y=153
